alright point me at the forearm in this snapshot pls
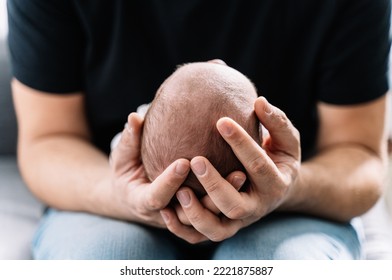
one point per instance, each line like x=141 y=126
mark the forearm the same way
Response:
x=66 y=172
x=339 y=183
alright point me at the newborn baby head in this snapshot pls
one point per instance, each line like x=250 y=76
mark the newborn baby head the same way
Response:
x=181 y=121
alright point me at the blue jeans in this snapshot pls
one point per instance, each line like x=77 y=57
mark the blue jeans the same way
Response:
x=72 y=235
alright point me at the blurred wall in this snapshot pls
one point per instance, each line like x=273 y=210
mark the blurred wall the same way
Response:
x=3 y=19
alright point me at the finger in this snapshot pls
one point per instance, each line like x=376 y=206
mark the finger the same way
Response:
x=285 y=137
x=163 y=188
x=188 y=233
x=181 y=215
x=126 y=154
x=215 y=228
x=255 y=160
x=236 y=179
x=233 y=204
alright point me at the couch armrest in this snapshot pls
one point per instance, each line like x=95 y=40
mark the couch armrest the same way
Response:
x=19 y=212
x=378 y=232
x=8 y=124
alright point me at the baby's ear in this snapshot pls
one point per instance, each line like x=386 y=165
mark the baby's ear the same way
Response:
x=217 y=61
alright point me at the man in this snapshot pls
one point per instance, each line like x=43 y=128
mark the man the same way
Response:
x=321 y=63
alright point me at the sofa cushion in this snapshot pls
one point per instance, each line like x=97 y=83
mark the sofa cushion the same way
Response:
x=19 y=212
x=7 y=113
x=377 y=224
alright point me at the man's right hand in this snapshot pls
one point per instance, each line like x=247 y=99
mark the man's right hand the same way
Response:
x=137 y=198
x=66 y=171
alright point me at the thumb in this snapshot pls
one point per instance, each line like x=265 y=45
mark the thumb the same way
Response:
x=126 y=153
x=283 y=136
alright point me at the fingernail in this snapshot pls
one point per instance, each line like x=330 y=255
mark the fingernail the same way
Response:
x=267 y=107
x=184 y=198
x=165 y=217
x=199 y=167
x=238 y=181
x=182 y=168
x=225 y=128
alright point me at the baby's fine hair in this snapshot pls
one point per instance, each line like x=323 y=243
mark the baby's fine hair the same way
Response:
x=181 y=121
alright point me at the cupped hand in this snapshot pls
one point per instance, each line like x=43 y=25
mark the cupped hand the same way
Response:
x=236 y=179
x=271 y=169
x=135 y=198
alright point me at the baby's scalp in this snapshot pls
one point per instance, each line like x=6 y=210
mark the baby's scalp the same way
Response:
x=204 y=78
x=181 y=122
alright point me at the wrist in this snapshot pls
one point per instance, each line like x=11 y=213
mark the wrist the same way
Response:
x=101 y=198
x=295 y=197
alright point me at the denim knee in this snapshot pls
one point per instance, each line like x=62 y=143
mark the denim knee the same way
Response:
x=70 y=235
x=292 y=237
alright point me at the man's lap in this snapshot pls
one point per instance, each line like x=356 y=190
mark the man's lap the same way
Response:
x=292 y=236
x=72 y=235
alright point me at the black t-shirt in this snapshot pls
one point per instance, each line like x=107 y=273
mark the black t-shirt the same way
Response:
x=118 y=52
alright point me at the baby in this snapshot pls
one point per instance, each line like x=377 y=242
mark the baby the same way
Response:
x=181 y=120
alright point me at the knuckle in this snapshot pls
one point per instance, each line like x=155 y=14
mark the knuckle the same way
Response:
x=154 y=203
x=258 y=166
x=143 y=212
x=237 y=212
x=212 y=186
x=282 y=122
x=296 y=134
x=195 y=218
x=193 y=239
x=169 y=183
x=220 y=235
x=238 y=141
x=217 y=237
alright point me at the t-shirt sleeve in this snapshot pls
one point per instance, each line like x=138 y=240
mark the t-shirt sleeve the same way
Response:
x=354 y=61
x=46 y=44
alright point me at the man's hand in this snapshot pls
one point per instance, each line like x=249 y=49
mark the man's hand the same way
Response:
x=272 y=171
x=139 y=199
